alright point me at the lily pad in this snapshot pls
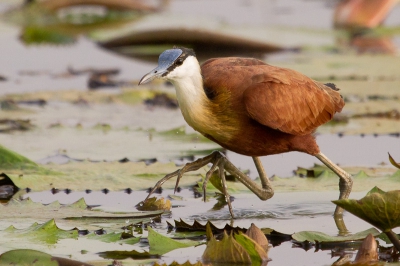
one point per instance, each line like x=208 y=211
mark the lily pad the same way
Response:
x=12 y=160
x=123 y=254
x=313 y=236
x=227 y=250
x=379 y=208
x=48 y=232
x=174 y=263
x=34 y=257
x=160 y=244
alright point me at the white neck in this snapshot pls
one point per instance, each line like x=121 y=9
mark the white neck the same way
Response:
x=188 y=83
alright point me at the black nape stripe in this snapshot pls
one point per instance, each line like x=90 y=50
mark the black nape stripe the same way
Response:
x=332 y=86
x=211 y=94
x=185 y=51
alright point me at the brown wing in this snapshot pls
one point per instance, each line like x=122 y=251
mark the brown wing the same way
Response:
x=279 y=98
x=287 y=100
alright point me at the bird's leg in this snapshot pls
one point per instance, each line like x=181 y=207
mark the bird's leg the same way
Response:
x=219 y=160
x=193 y=166
x=345 y=182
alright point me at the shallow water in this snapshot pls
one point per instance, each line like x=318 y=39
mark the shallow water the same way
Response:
x=285 y=212
x=367 y=151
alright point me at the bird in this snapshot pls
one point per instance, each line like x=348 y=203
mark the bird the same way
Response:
x=249 y=107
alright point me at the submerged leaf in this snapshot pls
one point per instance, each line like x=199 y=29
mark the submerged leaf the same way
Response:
x=313 y=236
x=160 y=244
x=379 y=208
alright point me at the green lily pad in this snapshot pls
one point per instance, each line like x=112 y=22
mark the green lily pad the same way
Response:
x=34 y=257
x=379 y=208
x=40 y=35
x=257 y=254
x=115 y=238
x=227 y=250
x=174 y=263
x=12 y=160
x=313 y=236
x=48 y=232
x=160 y=244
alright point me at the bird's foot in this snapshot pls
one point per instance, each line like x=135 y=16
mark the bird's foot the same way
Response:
x=217 y=159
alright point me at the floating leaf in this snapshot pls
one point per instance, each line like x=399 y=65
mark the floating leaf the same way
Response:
x=160 y=244
x=153 y=204
x=182 y=226
x=313 y=236
x=257 y=253
x=12 y=160
x=48 y=232
x=233 y=248
x=393 y=162
x=227 y=250
x=379 y=208
x=33 y=257
x=174 y=263
x=123 y=254
x=40 y=35
x=115 y=238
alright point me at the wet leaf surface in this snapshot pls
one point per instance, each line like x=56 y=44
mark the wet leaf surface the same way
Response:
x=227 y=250
x=379 y=208
x=133 y=254
x=33 y=257
x=174 y=263
x=160 y=244
x=311 y=236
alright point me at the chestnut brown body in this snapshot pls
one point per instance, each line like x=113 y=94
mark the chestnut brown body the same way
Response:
x=257 y=109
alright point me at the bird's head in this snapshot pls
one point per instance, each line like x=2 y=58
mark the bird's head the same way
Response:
x=174 y=64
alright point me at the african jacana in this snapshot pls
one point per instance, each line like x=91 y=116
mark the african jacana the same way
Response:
x=251 y=108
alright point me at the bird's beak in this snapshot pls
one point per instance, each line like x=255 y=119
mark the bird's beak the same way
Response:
x=155 y=73
x=165 y=60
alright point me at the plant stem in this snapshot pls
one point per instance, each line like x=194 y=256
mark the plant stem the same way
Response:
x=394 y=239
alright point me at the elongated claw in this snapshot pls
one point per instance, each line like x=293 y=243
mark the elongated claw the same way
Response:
x=225 y=187
x=217 y=159
x=161 y=182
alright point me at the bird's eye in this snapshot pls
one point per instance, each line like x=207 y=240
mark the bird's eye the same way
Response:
x=179 y=61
